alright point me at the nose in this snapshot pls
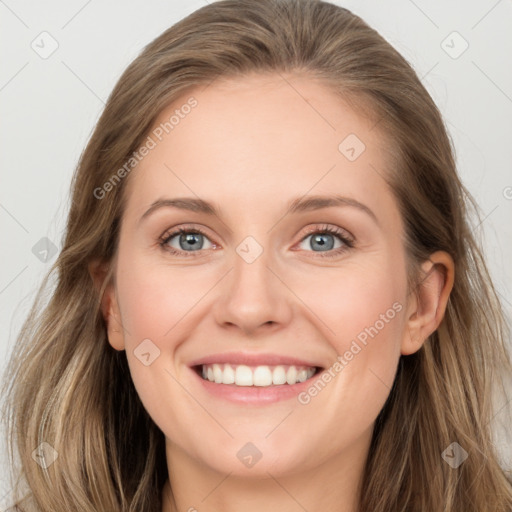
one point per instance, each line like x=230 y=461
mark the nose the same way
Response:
x=253 y=297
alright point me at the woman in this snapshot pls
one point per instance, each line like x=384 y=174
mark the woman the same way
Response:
x=256 y=372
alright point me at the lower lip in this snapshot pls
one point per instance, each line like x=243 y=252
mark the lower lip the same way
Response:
x=257 y=395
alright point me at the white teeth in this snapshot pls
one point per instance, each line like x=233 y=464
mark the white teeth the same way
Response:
x=279 y=375
x=243 y=376
x=229 y=375
x=302 y=375
x=262 y=376
x=291 y=376
x=217 y=373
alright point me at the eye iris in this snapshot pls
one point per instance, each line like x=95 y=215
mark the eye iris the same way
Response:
x=319 y=239
x=191 y=239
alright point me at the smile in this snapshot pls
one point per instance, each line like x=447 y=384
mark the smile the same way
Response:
x=261 y=376
x=250 y=378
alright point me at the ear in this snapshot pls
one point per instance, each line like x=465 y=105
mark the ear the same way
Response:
x=100 y=274
x=428 y=301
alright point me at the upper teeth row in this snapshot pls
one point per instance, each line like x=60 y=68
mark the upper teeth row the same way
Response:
x=243 y=375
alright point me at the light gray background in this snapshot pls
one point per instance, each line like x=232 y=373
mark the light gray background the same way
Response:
x=50 y=106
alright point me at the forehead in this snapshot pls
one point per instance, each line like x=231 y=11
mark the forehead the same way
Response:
x=261 y=139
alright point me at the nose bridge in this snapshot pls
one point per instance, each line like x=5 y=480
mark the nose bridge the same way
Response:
x=253 y=295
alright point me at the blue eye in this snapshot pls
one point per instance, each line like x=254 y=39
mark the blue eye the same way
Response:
x=191 y=241
x=322 y=239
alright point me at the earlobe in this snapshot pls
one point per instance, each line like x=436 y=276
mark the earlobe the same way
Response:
x=100 y=272
x=429 y=301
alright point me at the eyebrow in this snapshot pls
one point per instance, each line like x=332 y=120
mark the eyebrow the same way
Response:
x=297 y=205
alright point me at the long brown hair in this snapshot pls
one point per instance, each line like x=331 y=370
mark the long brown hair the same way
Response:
x=69 y=388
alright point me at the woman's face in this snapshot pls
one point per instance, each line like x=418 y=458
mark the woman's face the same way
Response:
x=273 y=280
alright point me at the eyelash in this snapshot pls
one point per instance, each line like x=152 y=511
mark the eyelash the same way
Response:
x=347 y=241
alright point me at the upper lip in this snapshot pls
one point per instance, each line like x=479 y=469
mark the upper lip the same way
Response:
x=252 y=359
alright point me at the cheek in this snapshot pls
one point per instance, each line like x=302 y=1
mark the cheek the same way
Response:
x=360 y=310
x=356 y=297
x=155 y=299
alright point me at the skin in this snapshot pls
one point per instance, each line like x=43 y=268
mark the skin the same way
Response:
x=250 y=146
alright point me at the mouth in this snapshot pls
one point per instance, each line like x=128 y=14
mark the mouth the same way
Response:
x=262 y=376
x=245 y=378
